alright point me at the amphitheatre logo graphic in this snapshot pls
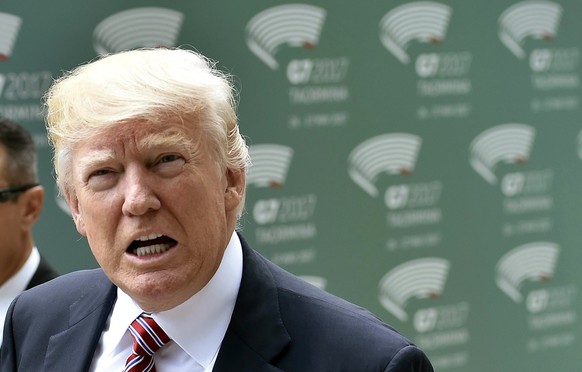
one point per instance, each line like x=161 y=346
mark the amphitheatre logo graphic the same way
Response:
x=538 y=20
x=270 y=164
x=281 y=217
x=417 y=279
x=530 y=262
x=421 y=21
x=138 y=27
x=393 y=153
x=293 y=25
x=9 y=28
x=508 y=143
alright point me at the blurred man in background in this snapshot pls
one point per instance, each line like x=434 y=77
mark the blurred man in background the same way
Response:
x=21 y=198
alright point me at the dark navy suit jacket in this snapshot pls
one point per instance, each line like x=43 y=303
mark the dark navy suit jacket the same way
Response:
x=44 y=272
x=279 y=323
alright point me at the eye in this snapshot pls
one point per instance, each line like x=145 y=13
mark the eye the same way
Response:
x=101 y=179
x=100 y=172
x=169 y=165
x=168 y=158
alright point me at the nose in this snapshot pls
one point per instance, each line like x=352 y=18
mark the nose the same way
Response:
x=140 y=198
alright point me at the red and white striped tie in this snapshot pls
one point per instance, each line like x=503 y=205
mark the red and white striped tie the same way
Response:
x=148 y=337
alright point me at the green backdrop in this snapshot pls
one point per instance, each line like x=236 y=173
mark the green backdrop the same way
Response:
x=422 y=159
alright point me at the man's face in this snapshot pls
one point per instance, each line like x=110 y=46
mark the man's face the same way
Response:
x=155 y=207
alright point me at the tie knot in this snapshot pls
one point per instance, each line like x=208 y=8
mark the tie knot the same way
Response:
x=147 y=335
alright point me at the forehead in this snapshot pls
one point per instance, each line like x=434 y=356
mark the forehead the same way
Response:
x=144 y=134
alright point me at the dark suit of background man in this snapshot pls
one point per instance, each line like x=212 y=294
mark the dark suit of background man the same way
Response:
x=21 y=197
x=151 y=162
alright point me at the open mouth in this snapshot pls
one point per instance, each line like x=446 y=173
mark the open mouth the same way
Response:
x=150 y=245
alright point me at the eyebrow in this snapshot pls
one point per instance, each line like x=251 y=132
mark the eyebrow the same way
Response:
x=167 y=139
x=96 y=157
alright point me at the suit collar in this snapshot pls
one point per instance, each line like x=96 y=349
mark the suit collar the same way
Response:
x=87 y=316
x=256 y=334
x=43 y=273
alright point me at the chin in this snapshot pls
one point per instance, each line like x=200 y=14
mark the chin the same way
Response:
x=155 y=292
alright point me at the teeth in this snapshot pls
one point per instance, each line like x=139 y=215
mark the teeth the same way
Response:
x=151 y=249
x=149 y=237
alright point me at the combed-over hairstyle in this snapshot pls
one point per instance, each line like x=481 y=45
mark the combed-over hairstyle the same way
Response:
x=147 y=85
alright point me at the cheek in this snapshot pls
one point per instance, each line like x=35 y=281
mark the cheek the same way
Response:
x=98 y=212
x=100 y=228
x=8 y=227
x=92 y=224
x=104 y=254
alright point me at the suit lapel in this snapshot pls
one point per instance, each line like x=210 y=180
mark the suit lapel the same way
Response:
x=73 y=349
x=236 y=355
x=256 y=334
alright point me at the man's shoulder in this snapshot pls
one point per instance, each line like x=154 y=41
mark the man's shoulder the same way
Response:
x=66 y=287
x=300 y=301
x=320 y=324
x=299 y=298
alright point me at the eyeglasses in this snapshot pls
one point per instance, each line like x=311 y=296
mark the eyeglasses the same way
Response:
x=12 y=192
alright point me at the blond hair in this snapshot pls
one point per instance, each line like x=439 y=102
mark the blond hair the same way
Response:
x=143 y=84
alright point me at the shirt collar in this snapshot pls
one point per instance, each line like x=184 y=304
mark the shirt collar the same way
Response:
x=18 y=283
x=199 y=324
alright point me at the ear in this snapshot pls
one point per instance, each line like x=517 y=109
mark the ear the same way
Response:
x=32 y=200
x=235 y=189
x=73 y=202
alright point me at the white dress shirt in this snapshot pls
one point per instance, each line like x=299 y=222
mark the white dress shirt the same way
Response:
x=196 y=326
x=15 y=285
